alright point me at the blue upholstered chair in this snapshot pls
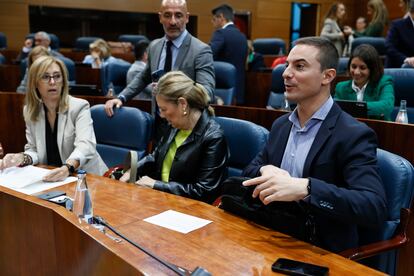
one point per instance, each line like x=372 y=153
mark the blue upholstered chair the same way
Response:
x=377 y=42
x=276 y=96
x=3 y=41
x=403 y=84
x=70 y=65
x=269 y=46
x=245 y=140
x=342 y=66
x=82 y=43
x=115 y=73
x=397 y=175
x=131 y=38
x=129 y=129
x=225 y=81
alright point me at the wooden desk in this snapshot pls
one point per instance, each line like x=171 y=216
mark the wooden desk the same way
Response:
x=9 y=77
x=227 y=246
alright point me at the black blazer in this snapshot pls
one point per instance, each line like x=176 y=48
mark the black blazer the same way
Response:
x=199 y=165
x=346 y=189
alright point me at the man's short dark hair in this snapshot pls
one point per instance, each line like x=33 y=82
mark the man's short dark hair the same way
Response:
x=328 y=55
x=140 y=48
x=226 y=10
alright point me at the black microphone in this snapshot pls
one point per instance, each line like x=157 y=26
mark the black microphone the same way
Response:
x=199 y=271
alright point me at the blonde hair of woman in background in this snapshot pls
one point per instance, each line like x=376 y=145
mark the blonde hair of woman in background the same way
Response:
x=378 y=13
x=100 y=54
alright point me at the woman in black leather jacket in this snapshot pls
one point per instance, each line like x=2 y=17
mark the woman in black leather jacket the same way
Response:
x=190 y=160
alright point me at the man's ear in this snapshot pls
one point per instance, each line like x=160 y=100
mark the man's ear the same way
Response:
x=328 y=76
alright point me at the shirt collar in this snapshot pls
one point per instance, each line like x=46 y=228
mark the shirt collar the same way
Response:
x=357 y=89
x=179 y=40
x=319 y=115
x=227 y=24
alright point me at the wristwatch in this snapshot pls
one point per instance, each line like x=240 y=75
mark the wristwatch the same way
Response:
x=71 y=168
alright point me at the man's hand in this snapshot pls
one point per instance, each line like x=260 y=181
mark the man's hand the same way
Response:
x=109 y=105
x=276 y=184
x=57 y=174
x=409 y=61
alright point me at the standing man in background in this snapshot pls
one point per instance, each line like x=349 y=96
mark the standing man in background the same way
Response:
x=177 y=50
x=229 y=45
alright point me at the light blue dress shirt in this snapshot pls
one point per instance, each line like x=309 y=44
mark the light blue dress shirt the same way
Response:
x=175 y=48
x=301 y=139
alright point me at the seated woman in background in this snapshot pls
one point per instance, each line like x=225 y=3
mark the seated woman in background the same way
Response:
x=59 y=128
x=368 y=83
x=190 y=160
x=331 y=27
x=36 y=52
x=100 y=54
x=377 y=11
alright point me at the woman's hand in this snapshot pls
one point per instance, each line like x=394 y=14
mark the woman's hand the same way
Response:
x=11 y=160
x=57 y=174
x=146 y=181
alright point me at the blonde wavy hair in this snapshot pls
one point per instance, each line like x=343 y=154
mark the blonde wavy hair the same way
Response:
x=102 y=46
x=379 y=12
x=33 y=100
x=176 y=84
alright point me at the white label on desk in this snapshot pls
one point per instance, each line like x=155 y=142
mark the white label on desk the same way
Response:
x=177 y=221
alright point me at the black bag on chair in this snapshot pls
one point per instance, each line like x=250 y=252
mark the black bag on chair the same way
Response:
x=286 y=217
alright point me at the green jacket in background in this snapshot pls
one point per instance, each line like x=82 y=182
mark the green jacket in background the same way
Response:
x=379 y=98
x=373 y=29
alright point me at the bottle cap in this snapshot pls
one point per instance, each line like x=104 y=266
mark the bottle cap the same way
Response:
x=81 y=172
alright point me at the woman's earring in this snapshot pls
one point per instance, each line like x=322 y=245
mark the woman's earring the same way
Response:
x=184 y=112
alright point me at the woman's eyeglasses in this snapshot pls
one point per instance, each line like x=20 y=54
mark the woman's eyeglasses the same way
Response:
x=47 y=78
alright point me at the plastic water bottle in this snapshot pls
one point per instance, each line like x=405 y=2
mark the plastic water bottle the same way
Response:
x=1 y=151
x=82 y=203
x=286 y=105
x=402 y=113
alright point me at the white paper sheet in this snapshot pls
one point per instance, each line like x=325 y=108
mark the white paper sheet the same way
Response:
x=28 y=180
x=177 y=221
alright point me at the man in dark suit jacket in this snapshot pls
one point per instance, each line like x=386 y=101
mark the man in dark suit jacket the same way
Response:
x=189 y=55
x=400 y=41
x=229 y=45
x=319 y=163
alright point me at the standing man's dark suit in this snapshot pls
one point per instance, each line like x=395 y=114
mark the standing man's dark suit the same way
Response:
x=230 y=45
x=346 y=187
x=399 y=42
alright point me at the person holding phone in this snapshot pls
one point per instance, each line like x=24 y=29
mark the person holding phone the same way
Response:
x=59 y=128
x=177 y=50
x=319 y=167
x=191 y=159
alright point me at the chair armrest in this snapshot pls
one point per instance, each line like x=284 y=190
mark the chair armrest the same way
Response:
x=398 y=240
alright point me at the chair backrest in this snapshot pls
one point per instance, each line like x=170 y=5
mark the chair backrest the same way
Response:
x=397 y=176
x=129 y=129
x=82 y=43
x=245 y=140
x=269 y=46
x=377 y=42
x=403 y=84
x=131 y=38
x=3 y=41
x=342 y=65
x=225 y=81
x=276 y=96
x=70 y=65
x=115 y=73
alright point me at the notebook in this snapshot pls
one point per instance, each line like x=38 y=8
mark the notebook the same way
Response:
x=354 y=108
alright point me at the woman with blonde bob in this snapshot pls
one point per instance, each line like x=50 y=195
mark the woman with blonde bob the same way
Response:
x=100 y=54
x=190 y=159
x=59 y=128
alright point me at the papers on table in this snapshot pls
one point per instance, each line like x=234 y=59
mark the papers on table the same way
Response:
x=28 y=180
x=177 y=221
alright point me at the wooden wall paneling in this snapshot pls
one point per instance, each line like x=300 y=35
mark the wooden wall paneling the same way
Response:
x=14 y=22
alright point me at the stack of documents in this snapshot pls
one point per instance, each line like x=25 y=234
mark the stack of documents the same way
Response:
x=28 y=180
